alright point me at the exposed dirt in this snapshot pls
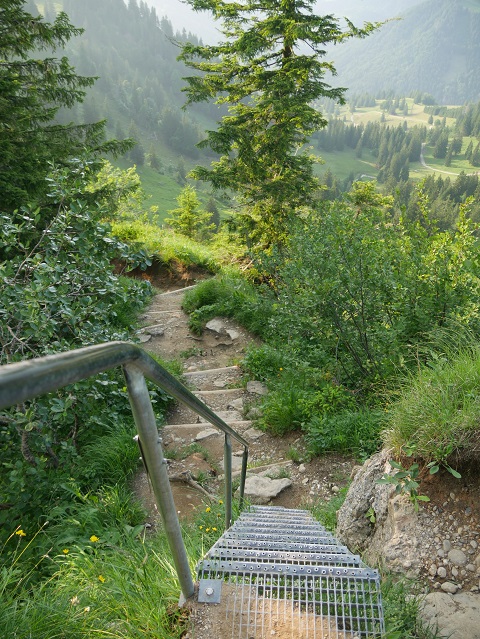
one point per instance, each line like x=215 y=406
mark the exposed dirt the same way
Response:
x=167 y=277
x=451 y=521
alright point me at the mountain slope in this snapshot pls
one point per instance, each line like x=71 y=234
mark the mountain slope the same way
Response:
x=434 y=48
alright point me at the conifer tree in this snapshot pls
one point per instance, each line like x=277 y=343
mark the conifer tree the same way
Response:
x=189 y=219
x=269 y=69
x=33 y=87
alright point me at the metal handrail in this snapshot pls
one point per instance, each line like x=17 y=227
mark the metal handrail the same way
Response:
x=28 y=379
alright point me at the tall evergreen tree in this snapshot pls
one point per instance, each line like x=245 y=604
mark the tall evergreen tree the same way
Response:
x=263 y=73
x=32 y=89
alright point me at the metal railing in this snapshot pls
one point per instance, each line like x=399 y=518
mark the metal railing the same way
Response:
x=26 y=380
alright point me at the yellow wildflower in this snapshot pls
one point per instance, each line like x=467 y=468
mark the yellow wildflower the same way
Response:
x=101 y=578
x=65 y=551
x=94 y=538
x=220 y=501
x=207 y=529
x=21 y=533
x=208 y=509
x=200 y=527
x=214 y=529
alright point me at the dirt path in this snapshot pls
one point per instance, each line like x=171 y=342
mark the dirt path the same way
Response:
x=195 y=448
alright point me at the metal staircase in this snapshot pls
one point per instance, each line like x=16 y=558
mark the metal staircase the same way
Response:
x=278 y=573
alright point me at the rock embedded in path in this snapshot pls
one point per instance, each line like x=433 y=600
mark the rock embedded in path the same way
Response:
x=457 y=557
x=449 y=587
x=154 y=331
x=216 y=326
x=253 y=434
x=257 y=388
x=204 y=434
x=260 y=490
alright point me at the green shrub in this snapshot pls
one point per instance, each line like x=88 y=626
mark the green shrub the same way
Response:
x=265 y=362
x=166 y=246
x=231 y=295
x=326 y=511
x=356 y=288
x=284 y=410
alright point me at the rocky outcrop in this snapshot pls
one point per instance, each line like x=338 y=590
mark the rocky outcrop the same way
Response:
x=438 y=544
x=378 y=523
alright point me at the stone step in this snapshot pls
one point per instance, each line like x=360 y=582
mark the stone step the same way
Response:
x=185 y=415
x=213 y=378
x=223 y=400
x=178 y=291
x=239 y=425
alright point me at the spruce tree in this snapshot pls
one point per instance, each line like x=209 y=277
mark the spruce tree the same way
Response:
x=269 y=69
x=33 y=87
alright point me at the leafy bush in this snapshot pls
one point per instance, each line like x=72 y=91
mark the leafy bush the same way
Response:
x=357 y=290
x=59 y=292
x=266 y=362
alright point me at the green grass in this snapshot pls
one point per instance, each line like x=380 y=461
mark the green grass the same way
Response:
x=436 y=414
x=231 y=295
x=103 y=574
x=342 y=163
x=459 y=163
x=166 y=246
x=416 y=115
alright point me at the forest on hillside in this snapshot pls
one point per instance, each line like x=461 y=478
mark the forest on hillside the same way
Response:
x=133 y=53
x=434 y=48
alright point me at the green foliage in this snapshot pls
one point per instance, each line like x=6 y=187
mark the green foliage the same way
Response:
x=269 y=87
x=32 y=90
x=187 y=219
x=326 y=511
x=357 y=289
x=166 y=246
x=406 y=482
x=121 y=193
x=112 y=457
x=266 y=362
x=435 y=414
x=355 y=431
x=58 y=292
x=231 y=295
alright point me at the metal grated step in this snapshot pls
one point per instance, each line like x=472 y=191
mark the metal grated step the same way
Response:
x=278 y=572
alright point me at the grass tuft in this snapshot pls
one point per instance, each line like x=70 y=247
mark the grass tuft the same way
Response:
x=436 y=415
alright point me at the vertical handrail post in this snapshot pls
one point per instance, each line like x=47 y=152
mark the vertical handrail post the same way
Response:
x=152 y=449
x=243 y=477
x=227 y=466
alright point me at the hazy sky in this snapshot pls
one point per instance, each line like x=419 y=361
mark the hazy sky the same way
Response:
x=203 y=25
